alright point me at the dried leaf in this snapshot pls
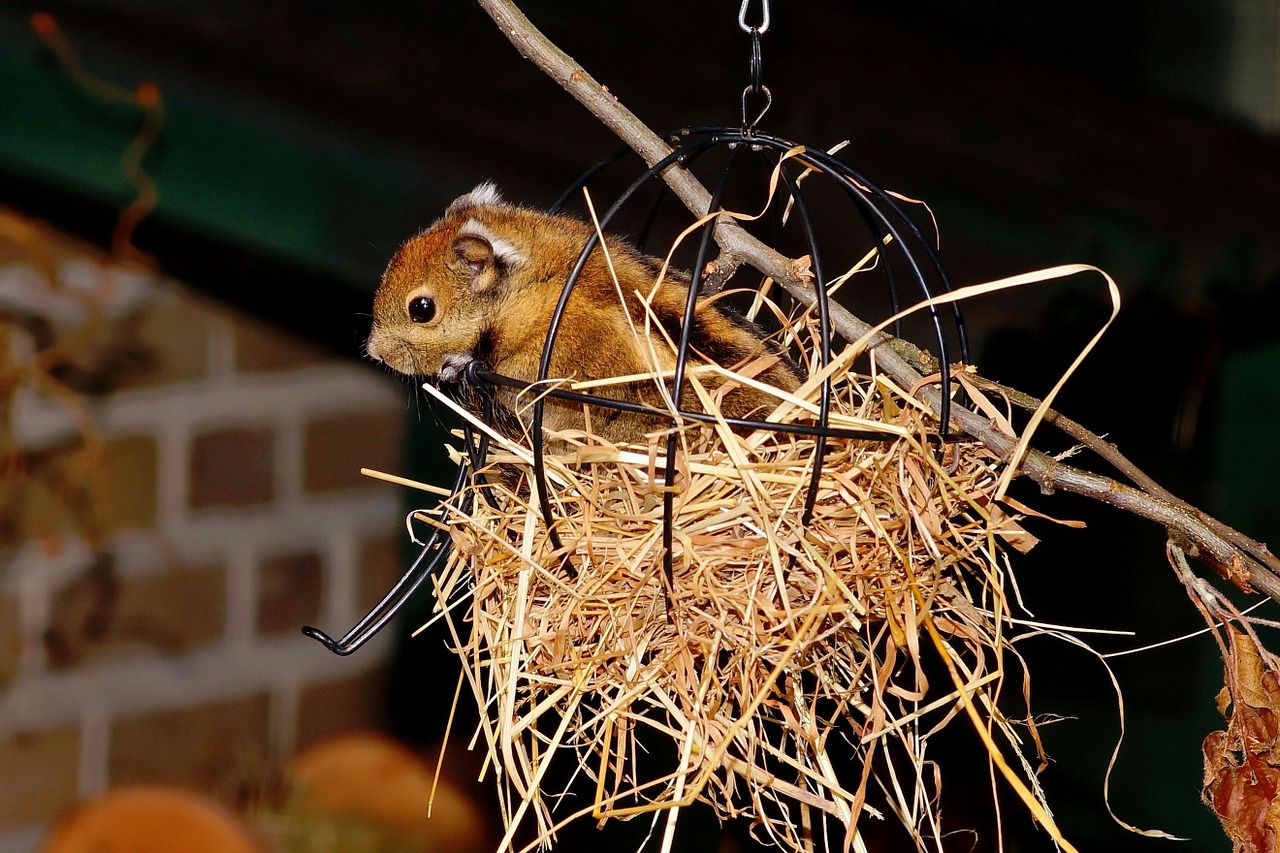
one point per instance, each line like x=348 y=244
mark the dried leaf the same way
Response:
x=1242 y=764
x=802 y=268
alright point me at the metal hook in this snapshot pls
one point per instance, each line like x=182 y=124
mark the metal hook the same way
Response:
x=757 y=64
x=762 y=27
x=748 y=126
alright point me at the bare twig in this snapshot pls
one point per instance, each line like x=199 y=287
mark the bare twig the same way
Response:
x=1111 y=454
x=1246 y=563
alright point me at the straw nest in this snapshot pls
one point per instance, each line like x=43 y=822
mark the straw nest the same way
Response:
x=782 y=676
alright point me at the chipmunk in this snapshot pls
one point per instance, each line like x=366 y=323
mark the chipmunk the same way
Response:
x=481 y=284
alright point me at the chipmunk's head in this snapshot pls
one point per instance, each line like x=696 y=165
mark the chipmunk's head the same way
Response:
x=439 y=295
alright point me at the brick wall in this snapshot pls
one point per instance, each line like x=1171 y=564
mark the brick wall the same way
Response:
x=179 y=494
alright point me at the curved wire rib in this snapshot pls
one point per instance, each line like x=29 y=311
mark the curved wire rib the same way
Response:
x=679 y=155
x=436 y=547
x=824 y=348
x=746 y=424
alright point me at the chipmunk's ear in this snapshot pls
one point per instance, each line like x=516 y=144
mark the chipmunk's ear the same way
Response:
x=484 y=255
x=486 y=193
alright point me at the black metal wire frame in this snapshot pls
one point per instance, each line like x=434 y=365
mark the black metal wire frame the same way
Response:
x=881 y=214
x=434 y=552
x=878 y=209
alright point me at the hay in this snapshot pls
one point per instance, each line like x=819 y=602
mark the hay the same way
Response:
x=781 y=674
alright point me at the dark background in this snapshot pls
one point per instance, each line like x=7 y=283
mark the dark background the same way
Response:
x=305 y=141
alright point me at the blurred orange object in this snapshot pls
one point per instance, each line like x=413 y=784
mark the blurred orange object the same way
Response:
x=151 y=819
x=372 y=778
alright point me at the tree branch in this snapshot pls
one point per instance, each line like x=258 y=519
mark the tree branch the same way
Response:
x=1246 y=563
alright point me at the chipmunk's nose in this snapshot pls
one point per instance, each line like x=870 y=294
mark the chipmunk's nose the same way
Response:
x=372 y=347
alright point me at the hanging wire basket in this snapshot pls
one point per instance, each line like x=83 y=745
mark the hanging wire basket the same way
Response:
x=903 y=256
x=761 y=596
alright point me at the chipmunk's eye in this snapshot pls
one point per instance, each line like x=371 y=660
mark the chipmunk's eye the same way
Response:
x=422 y=309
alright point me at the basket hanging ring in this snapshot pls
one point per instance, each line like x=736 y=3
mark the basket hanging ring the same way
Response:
x=749 y=126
